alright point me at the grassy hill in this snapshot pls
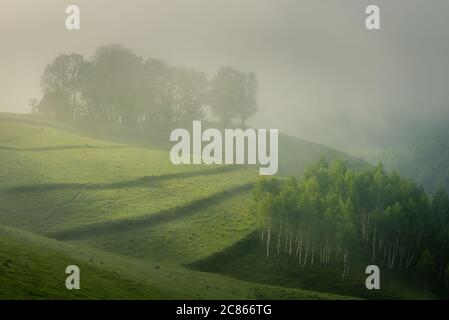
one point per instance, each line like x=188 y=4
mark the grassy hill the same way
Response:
x=296 y=154
x=139 y=227
x=32 y=267
x=247 y=260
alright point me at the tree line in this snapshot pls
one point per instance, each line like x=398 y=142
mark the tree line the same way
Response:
x=117 y=86
x=333 y=210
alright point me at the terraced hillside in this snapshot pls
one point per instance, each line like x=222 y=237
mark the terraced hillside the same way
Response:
x=132 y=221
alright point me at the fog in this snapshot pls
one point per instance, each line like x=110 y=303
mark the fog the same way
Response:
x=322 y=75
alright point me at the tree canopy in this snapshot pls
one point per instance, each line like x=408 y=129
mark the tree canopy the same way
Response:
x=334 y=209
x=117 y=86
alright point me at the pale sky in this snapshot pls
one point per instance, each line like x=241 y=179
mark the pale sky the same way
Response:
x=322 y=75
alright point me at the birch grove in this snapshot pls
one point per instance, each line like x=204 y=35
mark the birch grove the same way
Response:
x=322 y=219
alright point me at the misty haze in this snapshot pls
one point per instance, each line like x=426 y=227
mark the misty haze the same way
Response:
x=134 y=150
x=322 y=75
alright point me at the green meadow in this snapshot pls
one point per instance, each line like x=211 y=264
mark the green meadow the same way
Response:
x=141 y=228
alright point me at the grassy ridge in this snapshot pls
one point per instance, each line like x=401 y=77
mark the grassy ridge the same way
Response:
x=296 y=154
x=38 y=272
x=185 y=239
x=52 y=211
x=131 y=216
x=49 y=156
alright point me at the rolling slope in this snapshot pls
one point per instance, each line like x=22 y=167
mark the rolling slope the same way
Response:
x=32 y=267
x=127 y=213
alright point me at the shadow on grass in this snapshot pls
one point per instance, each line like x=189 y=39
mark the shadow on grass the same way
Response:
x=135 y=183
x=127 y=224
